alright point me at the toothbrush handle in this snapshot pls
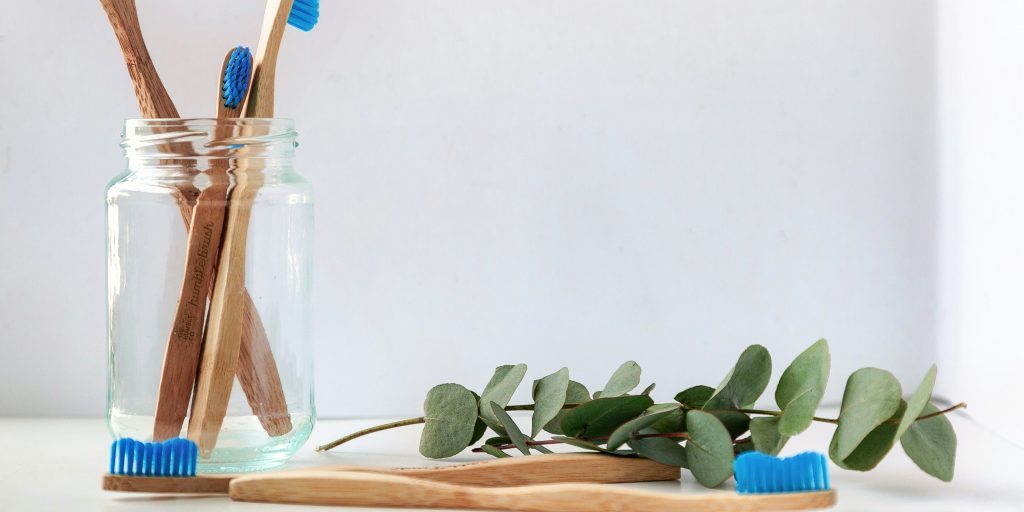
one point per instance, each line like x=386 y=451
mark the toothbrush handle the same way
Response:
x=381 y=490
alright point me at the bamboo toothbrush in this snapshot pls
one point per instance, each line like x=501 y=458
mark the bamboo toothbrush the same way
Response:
x=257 y=371
x=182 y=356
x=796 y=483
x=225 y=322
x=132 y=471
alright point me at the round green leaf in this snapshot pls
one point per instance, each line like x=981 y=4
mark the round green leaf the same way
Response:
x=480 y=428
x=695 y=397
x=931 y=444
x=622 y=434
x=737 y=423
x=765 y=434
x=450 y=412
x=499 y=390
x=661 y=449
x=600 y=417
x=873 y=448
x=801 y=388
x=871 y=397
x=622 y=381
x=675 y=421
x=918 y=401
x=548 y=398
x=742 y=386
x=576 y=393
x=709 y=449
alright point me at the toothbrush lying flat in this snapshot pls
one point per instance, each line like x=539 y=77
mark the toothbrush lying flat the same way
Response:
x=257 y=371
x=151 y=475
x=219 y=359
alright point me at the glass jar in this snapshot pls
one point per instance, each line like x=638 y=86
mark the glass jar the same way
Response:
x=223 y=357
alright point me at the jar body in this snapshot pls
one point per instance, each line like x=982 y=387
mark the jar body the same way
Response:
x=153 y=267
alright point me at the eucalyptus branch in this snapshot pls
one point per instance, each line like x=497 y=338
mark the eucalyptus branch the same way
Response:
x=509 y=446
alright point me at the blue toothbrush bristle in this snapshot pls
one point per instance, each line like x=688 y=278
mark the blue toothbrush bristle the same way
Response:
x=174 y=457
x=304 y=14
x=236 y=77
x=758 y=473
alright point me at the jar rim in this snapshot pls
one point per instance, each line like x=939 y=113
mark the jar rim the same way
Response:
x=207 y=136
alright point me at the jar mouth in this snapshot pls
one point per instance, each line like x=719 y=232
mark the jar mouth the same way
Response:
x=209 y=137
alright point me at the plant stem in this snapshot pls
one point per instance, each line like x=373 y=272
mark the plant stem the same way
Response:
x=947 y=410
x=378 y=428
x=673 y=435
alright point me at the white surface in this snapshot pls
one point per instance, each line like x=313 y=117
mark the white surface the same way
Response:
x=572 y=183
x=983 y=247
x=56 y=464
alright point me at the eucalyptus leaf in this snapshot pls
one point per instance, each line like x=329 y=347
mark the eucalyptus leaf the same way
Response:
x=737 y=423
x=931 y=444
x=871 y=397
x=622 y=434
x=648 y=389
x=745 y=382
x=587 y=445
x=695 y=397
x=479 y=428
x=549 y=395
x=576 y=393
x=488 y=449
x=600 y=417
x=764 y=432
x=675 y=421
x=801 y=388
x=622 y=381
x=498 y=440
x=918 y=401
x=499 y=390
x=709 y=449
x=517 y=436
x=450 y=414
x=660 y=449
x=875 y=446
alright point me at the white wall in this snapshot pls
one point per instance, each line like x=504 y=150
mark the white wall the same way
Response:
x=560 y=183
x=982 y=272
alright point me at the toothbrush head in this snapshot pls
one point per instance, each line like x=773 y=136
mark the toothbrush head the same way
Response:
x=304 y=14
x=173 y=457
x=758 y=473
x=235 y=82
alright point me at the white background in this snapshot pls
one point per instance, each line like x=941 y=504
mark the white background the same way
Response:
x=573 y=183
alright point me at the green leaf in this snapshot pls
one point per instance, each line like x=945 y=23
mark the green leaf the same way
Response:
x=648 y=389
x=765 y=434
x=873 y=448
x=622 y=381
x=709 y=450
x=801 y=388
x=742 y=386
x=695 y=397
x=548 y=398
x=661 y=449
x=737 y=423
x=622 y=434
x=931 y=444
x=871 y=397
x=587 y=445
x=673 y=422
x=576 y=393
x=498 y=441
x=450 y=412
x=480 y=428
x=517 y=436
x=499 y=390
x=602 y=416
x=918 y=401
x=494 y=451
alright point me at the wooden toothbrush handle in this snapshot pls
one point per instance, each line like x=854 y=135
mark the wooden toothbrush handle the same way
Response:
x=154 y=102
x=383 y=490
x=257 y=370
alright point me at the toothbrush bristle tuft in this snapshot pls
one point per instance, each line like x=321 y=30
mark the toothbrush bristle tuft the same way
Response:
x=758 y=473
x=236 y=77
x=174 y=457
x=304 y=14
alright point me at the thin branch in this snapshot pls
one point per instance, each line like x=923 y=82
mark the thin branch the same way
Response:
x=365 y=431
x=509 y=446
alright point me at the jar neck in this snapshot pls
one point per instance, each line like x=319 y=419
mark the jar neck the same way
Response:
x=241 y=144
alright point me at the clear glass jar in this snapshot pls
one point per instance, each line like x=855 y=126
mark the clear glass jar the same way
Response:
x=234 y=179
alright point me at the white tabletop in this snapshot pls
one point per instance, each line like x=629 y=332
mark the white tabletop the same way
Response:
x=57 y=464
